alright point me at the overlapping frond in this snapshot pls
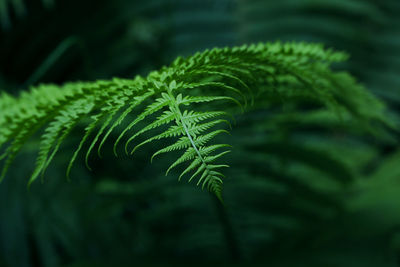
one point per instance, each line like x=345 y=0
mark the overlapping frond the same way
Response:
x=190 y=103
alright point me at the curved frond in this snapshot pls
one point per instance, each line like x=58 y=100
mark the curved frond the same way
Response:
x=190 y=102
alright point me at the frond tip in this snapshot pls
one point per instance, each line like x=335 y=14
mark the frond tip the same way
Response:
x=189 y=103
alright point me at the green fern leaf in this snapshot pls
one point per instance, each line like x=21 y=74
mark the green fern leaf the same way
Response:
x=187 y=102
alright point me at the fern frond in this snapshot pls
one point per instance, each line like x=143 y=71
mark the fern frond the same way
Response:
x=184 y=142
x=56 y=132
x=182 y=102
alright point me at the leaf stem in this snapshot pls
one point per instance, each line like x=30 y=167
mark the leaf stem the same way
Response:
x=178 y=111
x=228 y=232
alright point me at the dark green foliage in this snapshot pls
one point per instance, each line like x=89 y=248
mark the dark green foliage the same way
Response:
x=313 y=176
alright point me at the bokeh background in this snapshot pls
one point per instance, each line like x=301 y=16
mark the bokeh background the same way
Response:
x=304 y=189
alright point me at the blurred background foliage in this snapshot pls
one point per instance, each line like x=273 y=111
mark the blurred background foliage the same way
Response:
x=304 y=189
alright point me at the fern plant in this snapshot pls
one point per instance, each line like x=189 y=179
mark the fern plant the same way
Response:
x=189 y=102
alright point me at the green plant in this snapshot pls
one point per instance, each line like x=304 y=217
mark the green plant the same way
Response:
x=188 y=101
